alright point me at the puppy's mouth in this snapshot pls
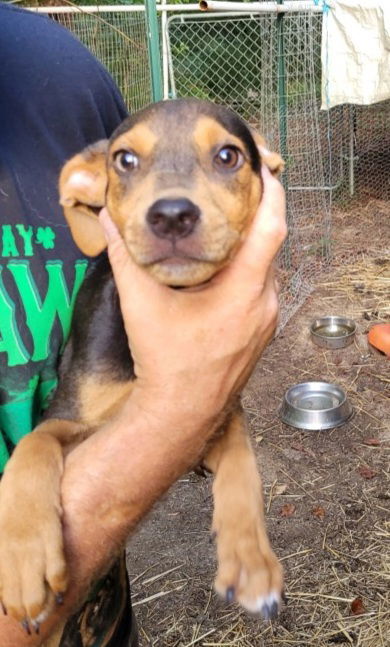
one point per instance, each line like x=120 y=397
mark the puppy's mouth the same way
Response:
x=180 y=252
x=178 y=258
x=180 y=269
x=180 y=261
x=149 y=251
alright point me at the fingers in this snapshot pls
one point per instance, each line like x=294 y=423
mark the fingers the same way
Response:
x=120 y=259
x=266 y=236
x=248 y=270
x=127 y=274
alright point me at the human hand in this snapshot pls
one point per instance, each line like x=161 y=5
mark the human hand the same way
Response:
x=197 y=348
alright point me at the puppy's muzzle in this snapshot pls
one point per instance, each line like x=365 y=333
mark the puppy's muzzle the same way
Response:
x=173 y=218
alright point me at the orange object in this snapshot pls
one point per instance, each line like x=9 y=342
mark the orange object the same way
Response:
x=379 y=336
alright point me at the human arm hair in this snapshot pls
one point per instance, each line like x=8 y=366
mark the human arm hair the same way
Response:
x=193 y=352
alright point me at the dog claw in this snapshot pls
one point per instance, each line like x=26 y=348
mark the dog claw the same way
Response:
x=59 y=598
x=270 y=610
x=26 y=626
x=36 y=626
x=230 y=594
x=4 y=609
x=267 y=607
x=265 y=612
x=274 y=610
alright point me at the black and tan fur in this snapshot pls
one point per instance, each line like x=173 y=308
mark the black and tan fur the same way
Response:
x=205 y=156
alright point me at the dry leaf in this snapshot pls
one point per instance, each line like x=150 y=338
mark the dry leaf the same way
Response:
x=319 y=512
x=357 y=607
x=367 y=472
x=287 y=510
x=373 y=442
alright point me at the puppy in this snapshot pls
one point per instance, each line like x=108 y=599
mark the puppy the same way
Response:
x=181 y=180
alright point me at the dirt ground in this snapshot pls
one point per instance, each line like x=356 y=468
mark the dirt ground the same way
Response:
x=326 y=493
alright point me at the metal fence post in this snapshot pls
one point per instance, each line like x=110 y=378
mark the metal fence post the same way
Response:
x=282 y=110
x=281 y=84
x=153 y=49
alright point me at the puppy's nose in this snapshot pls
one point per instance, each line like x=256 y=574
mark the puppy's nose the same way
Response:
x=173 y=218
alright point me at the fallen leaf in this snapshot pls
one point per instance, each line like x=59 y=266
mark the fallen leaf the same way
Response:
x=357 y=607
x=373 y=442
x=366 y=472
x=280 y=489
x=319 y=512
x=287 y=510
x=259 y=438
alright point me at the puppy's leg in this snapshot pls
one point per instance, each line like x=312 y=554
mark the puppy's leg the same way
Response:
x=32 y=563
x=248 y=570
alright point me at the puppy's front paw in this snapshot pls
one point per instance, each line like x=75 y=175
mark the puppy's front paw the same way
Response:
x=32 y=566
x=248 y=570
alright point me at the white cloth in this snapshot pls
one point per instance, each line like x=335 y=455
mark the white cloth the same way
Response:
x=355 y=52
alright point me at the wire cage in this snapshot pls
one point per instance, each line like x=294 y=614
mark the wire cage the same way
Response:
x=270 y=77
x=267 y=67
x=118 y=39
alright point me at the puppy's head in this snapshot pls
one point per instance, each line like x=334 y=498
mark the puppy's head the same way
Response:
x=181 y=180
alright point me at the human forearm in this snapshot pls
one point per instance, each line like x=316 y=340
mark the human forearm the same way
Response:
x=120 y=472
x=110 y=482
x=193 y=352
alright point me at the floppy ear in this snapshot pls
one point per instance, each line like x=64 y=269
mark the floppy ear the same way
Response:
x=273 y=160
x=82 y=187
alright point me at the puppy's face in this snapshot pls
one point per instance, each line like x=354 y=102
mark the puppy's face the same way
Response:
x=181 y=180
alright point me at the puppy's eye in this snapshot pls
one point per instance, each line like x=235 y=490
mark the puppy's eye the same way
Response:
x=229 y=157
x=126 y=161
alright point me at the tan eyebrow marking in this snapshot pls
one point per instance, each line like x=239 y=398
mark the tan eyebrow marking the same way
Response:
x=208 y=133
x=140 y=139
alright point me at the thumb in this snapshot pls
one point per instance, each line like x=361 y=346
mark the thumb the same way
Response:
x=253 y=262
x=118 y=255
x=128 y=274
x=268 y=229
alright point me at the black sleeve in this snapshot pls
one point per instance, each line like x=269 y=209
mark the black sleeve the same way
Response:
x=55 y=98
x=52 y=85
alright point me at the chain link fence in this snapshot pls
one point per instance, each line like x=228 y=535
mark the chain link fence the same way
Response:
x=266 y=67
x=117 y=38
x=358 y=157
x=269 y=72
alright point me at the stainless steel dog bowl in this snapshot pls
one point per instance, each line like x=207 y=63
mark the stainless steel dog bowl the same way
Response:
x=315 y=406
x=333 y=332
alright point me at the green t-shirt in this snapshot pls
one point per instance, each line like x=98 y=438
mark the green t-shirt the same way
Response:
x=55 y=100
x=31 y=341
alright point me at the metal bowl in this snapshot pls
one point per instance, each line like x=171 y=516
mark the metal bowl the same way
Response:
x=315 y=406
x=333 y=332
